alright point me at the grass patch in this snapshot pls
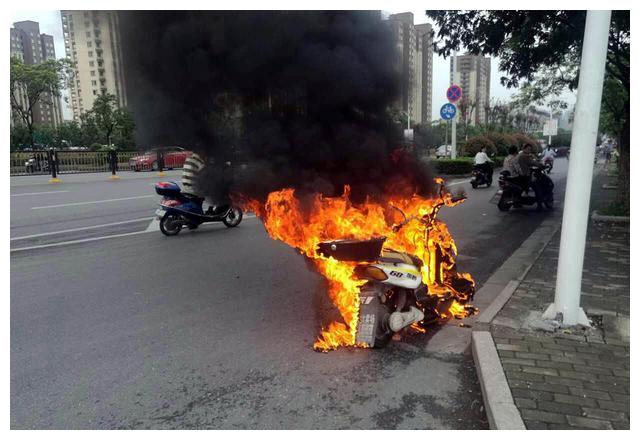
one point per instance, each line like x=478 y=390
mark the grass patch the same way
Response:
x=616 y=209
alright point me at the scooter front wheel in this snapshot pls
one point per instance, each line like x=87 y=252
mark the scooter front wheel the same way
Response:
x=233 y=218
x=170 y=225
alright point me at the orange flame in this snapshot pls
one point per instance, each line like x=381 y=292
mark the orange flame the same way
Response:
x=333 y=218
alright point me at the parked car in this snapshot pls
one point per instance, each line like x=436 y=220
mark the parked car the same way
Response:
x=174 y=157
x=443 y=151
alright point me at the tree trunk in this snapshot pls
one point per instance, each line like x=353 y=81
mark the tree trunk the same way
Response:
x=623 y=160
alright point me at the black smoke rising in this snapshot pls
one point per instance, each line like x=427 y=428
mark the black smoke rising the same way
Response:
x=299 y=98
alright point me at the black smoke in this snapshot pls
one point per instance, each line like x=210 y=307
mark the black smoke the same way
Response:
x=290 y=99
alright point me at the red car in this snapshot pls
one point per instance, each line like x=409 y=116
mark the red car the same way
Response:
x=174 y=157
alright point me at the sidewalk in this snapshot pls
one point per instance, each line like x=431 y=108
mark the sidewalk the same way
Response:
x=577 y=378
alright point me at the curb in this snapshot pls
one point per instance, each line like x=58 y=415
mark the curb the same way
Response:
x=501 y=410
x=609 y=218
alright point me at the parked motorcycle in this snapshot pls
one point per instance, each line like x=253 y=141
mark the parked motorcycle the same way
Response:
x=179 y=209
x=513 y=193
x=481 y=177
x=394 y=296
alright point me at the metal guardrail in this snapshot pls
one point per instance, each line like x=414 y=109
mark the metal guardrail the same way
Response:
x=69 y=162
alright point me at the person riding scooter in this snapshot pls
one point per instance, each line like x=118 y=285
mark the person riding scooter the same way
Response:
x=548 y=155
x=193 y=166
x=524 y=162
x=483 y=163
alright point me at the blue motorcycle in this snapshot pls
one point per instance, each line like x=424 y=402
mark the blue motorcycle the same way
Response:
x=179 y=209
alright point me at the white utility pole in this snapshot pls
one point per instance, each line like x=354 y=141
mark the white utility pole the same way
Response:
x=550 y=123
x=454 y=152
x=576 y=202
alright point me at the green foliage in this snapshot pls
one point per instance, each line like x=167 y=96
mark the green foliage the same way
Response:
x=95 y=147
x=19 y=137
x=616 y=209
x=454 y=166
x=113 y=122
x=70 y=134
x=475 y=144
x=30 y=84
x=502 y=142
x=523 y=140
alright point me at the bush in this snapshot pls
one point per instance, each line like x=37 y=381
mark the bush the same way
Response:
x=454 y=166
x=523 y=140
x=474 y=144
x=502 y=142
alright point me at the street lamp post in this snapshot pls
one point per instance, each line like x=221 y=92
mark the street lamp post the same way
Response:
x=576 y=203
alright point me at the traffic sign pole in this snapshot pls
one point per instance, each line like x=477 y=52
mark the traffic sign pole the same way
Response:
x=454 y=151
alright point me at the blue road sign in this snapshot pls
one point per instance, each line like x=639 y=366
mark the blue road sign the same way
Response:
x=448 y=111
x=454 y=93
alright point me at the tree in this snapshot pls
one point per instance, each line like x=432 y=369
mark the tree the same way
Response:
x=69 y=134
x=466 y=108
x=111 y=119
x=534 y=44
x=32 y=84
x=19 y=137
x=90 y=134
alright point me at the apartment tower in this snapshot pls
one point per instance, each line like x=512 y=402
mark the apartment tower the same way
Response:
x=414 y=63
x=92 y=42
x=473 y=75
x=32 y=47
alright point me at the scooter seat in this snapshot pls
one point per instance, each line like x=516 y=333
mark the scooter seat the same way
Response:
x=193 y=197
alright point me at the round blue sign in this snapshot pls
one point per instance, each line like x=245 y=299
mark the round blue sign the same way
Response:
x=454 y=93
x=448 y=111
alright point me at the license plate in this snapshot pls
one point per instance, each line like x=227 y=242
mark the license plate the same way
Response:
x=159 y=213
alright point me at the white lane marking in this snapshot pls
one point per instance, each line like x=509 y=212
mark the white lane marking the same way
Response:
x=93 y=202
x=153 y=226
x=459 y=182
x=80 y=229
x=84 y=240
x=38 y=193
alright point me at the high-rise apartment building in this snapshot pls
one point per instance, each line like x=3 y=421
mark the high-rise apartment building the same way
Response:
x=32 y=47
x=414 y=63
x=473 y=75
x=92 y=42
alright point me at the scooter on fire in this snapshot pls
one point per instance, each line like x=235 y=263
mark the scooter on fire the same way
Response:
x=179 y=209
x=514 y=193
x=395 y=296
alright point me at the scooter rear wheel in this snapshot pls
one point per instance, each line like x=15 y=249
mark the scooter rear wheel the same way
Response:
x=503 y=205
x=233 y=218
x=170 y=225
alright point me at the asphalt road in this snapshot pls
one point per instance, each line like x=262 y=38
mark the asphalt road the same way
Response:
x=213 y=328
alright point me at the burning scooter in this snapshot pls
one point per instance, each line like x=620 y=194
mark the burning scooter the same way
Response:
x=179 y=209
x=394 y=296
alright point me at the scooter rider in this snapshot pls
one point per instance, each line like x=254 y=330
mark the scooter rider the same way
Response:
x=548 y=155
x=524 y=162
x=483 y=162
x=192 y=167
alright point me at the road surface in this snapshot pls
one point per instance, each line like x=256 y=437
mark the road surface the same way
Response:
x=115 y=326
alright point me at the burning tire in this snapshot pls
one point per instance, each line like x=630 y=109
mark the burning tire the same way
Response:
x=170 y=225
x=233 y=218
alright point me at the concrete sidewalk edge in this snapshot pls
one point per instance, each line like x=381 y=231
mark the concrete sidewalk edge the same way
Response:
x=500 y=408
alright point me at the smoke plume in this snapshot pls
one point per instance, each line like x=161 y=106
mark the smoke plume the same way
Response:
x=290 y=99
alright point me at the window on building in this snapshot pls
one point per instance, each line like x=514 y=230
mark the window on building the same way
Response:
x=90 y=53
x=91 y=63
x=94 y=82
x=89 y=44
x=95 y=92
x=93 y=73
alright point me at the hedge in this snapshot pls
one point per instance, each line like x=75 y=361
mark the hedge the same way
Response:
x=454 y=166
